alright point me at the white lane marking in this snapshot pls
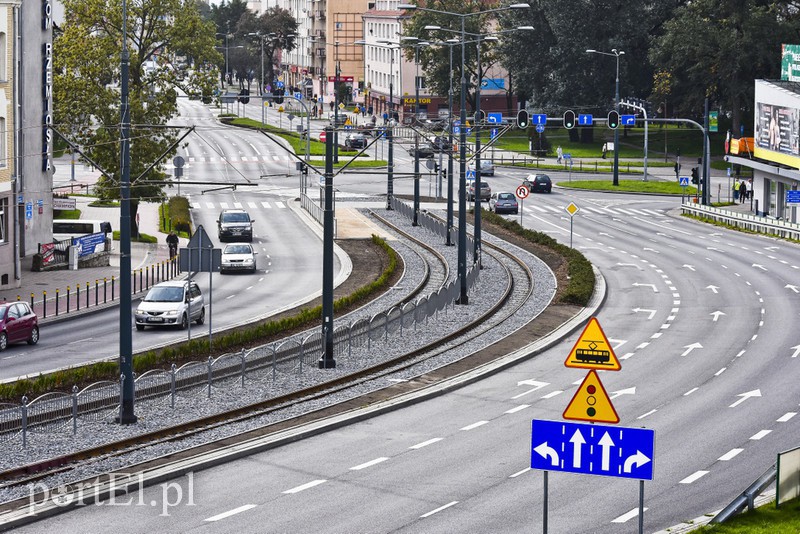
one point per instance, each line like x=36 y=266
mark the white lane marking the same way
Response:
x=265 y=204
x=760 y=434
x=369 y=464
x=552 y=394
x=651 y=412
x=691 y=478
x=305 y=486
x=425 y=443
x=627 y=517
x=730 y=455
x=518 y=408
x=626 y=356
x=518 y=473
x=84 y=340
x=785 y=417
x=474 y=425
x=229 y=297
x=231 y=512
x=223 y=205
x=281 y=205
x=448 y=505
x=720 y=371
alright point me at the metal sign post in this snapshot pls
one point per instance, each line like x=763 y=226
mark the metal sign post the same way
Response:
x=572 y=209
x=522 y=193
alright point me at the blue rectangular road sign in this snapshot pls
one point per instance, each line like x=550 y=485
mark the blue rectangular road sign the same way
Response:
x=539 y=118
x=494 y=118
x=628 y=120
x=585 y=119
x=592 y=449
x=793 y=196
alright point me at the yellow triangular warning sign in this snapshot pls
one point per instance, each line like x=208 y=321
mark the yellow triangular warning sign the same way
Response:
x=591 y=402
x=347 y=122
x=592 y=350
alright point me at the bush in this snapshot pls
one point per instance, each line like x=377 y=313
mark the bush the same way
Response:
x=178 y=212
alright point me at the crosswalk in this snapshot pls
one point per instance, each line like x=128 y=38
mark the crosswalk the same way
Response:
x=561 y=210
x=203 y=205
x=261 y=158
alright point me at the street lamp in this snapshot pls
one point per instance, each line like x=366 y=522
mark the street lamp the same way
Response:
x=417 y=44
x=614 y=53
x=462 y=181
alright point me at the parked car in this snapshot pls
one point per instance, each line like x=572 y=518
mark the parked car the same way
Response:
x=238 y=257
x=355 y=140
x=485 y=194
x=18 y=323
x=487 y=167
x=503 y=203
x=172 y=303
x=538 y=183
x=440 y=144
x=425 y=150
x=234 y=223
x=337 y=121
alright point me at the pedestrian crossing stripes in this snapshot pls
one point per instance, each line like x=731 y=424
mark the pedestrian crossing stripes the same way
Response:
x=276 y=204
x=598 y=211
x=261 y=158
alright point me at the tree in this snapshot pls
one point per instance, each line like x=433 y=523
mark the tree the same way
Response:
x=86 y=97
x=278 y=30
x=716 y=48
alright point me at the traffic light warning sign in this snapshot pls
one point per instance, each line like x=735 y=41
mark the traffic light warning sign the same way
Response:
x=592 y=350
x=591 y=402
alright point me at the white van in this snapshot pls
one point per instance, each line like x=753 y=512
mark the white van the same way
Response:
x=64 y=229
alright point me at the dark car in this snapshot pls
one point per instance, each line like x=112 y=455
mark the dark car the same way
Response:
x=235 y=224
x=425 y=150
x=440 y=144
x=18 y=323
x=503 y=203
x=355 y=140
x=538 y=183
x=485 y=194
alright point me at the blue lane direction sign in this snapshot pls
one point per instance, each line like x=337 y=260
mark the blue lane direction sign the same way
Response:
x=298 y=95
x=793 y=196
x=628 y=120
x=584 y=119
x=539 y=118
x=494 y=133
x=592 y=449
x=494 y=118
x=683 y=181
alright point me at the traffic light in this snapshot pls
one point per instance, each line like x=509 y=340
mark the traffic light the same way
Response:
x=522 y=119
x=569 y=119
x=244 y=96
x=613 y=119
x=695 y=175
x=279 y=95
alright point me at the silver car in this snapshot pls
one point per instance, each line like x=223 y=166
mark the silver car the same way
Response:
x=238 y=257
x=172 y=303
x=487 y=167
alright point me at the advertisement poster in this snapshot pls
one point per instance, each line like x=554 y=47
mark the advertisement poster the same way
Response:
x=777 y=128
x=47 y=252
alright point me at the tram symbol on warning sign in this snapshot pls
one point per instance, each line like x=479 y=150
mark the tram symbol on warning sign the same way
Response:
x=592 y=350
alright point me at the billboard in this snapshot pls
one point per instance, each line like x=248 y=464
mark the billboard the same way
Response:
x=777 y=124
x=790 y=62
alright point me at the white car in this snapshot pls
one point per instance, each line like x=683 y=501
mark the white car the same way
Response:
x=172 y=303
x=487 y=167
x=238 y=257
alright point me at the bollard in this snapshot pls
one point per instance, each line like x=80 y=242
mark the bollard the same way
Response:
x=173 y=370
x=87 y=294
x=96 y=292
x=56 y=302
x=44 y=304
x=112 y=288
x=147 y=277
x=77 y=296
x=140 y=280
x=31 y=300
x=19 y=298
x=134 y=280
x=74 y=410
x=105 y=294
x=24 y=409
x=67 y=299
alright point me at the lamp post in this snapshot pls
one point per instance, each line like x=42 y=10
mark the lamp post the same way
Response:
x=462 y=201
x=614 y=53
x=226 y=56
x=417 y=44
x=391 y=47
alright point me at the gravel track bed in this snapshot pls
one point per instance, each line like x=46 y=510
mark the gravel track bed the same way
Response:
x=157 y=414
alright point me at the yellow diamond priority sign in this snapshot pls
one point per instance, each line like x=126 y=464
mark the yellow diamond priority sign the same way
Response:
x=592 y=350
x=591 y=402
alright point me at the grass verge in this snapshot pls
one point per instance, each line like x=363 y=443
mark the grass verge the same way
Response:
x=763 y=520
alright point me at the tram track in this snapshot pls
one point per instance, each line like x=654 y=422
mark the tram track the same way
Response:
x=518 y=288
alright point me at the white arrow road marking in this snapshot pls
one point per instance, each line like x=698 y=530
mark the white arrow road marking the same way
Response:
x=638 y=459
x=606 y=443
x=536 y=385
x=793 y=288
x=690 y=348
x=651 y=250
x=690 y=267
x=744 y=396
x=796 y=351
x=577 y=444
x=713 y=288
x=544 y=451
x=629 y=265
x=716 y=314
x=651 y=313
x=759 y=266
x=628 y=391
x=637 y=284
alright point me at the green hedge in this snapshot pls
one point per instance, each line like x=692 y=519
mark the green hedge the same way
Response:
x=178 y=214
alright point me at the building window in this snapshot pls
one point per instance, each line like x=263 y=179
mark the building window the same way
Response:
x=3 y=143
x=3 y=67
x=420 y=81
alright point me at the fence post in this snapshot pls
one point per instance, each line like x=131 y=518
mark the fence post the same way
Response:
x=31 y=300
x=209 y=377
x=57 y=302
x=121 y=389
x=96 y=292
x=87 y=294
x=242 y=356
x=44 y=304
x=173 y=371
x=74 y=410
x=24 y=409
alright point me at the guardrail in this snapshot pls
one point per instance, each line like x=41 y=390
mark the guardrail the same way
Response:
x=746 y=221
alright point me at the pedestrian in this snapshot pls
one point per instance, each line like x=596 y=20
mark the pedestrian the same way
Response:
x=559 y=154
x=331 y=104
x=749 y=189
x=605 y=149
x=172 y=243
x=743 y=191
x=735 y=191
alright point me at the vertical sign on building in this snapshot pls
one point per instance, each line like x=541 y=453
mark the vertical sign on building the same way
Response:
x=47 y=85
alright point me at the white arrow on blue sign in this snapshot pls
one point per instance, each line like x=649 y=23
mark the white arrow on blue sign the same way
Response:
x=494 y=118
x=539 y=118
x=585 y=119
x=628 y=120
x=592 y=449
x=793 y=196
x=494 y=133
x=298 y=95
